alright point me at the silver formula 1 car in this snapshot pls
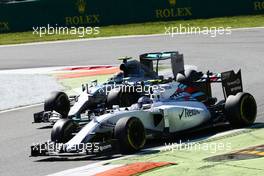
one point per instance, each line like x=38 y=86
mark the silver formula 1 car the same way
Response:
x=94 y=96
x=183 y=104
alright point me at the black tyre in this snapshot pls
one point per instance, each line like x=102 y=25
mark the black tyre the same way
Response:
x=59 y=102
x=189 y=75
x=63 y=130
x=113 y=98
x=241 y=110
x=123 y=97
x=192 y=75
x=131 y=134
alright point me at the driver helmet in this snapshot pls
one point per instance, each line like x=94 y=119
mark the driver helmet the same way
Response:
x=144 y=100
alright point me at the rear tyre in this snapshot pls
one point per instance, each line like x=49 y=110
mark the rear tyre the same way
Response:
x=113 y=98
x=59 y=102
x=63 y=130
x=189 y=75
x=241 y=110
x=131 y=134
x=192 y=75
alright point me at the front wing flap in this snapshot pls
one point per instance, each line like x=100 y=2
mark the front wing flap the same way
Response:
x=58 y=149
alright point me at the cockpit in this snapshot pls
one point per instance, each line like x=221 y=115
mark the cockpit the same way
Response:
x=143 y=103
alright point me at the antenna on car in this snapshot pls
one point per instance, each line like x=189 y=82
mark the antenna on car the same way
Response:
x=124 y=59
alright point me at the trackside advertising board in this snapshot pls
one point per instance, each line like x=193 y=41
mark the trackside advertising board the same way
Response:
x=23 y=15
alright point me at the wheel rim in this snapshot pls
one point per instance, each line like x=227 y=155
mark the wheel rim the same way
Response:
x=136 y=135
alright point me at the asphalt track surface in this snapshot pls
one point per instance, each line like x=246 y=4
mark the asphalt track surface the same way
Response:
x=243 y=49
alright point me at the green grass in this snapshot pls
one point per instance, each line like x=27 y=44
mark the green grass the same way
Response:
x=139 y=29
x=72 y=83
x=192 y=163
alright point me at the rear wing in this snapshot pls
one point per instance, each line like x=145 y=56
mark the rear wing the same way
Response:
x=177 y=61
x=231 y=83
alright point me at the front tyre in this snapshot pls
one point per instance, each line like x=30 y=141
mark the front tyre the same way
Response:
x=59 y=102
x=63 y=130
x=241 y=110
x=131 y=134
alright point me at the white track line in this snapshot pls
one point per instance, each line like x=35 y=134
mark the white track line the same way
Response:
x=20 y=108
x=80 y=40
x=46 y=70
x=106 y=38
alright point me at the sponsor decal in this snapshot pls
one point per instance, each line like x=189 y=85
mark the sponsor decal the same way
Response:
x=173 y=11
x=172 y=2
x=105 y=147
x=81 y=6
x=186 y=113
x=181 y=114
x=83 y=18
x=258 y=5
x=235 y=82
x=4 y=26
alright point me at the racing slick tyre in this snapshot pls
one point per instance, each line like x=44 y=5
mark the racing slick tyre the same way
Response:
x=131 y=134
x=59 y=102
x=113 y=98
x=122 y=97
x=63 y=130
x=189 y=75
x=241 y=109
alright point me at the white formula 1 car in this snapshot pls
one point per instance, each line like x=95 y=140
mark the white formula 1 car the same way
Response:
x=173 y=107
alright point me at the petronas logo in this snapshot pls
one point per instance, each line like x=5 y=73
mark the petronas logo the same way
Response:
x=81 y=5
x=172 y=2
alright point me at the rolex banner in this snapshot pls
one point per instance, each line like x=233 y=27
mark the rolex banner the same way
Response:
x=24 y=15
